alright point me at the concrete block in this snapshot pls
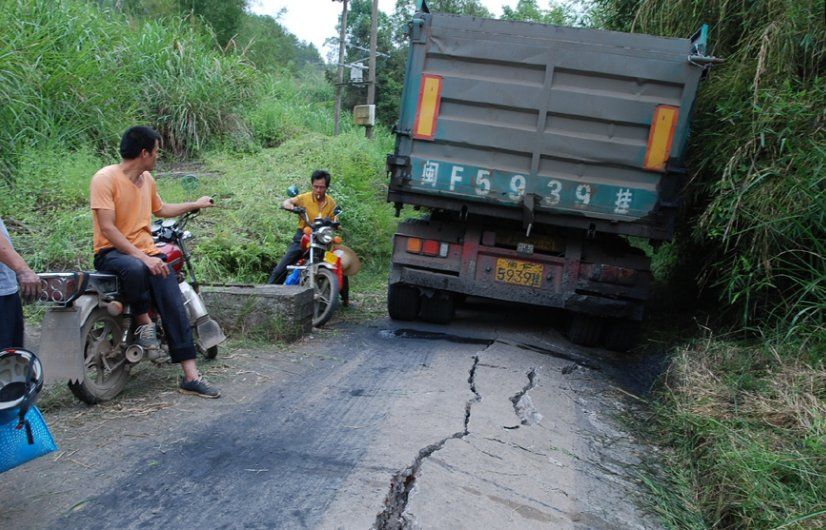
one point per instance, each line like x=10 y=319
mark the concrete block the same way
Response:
x=271 y=312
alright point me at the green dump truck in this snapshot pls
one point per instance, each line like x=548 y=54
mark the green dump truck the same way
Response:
x=537 y=151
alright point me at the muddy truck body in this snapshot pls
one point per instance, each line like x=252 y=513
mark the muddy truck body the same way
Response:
x=537 y=151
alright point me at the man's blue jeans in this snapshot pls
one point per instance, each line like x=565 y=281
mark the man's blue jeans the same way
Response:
x=11 y=321
x=140 y=287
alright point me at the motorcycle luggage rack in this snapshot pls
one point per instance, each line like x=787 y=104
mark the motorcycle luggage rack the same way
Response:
x=63 y=288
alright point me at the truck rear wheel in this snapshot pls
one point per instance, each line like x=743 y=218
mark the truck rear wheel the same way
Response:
x=621 y=334
x=584 y=330
x=402 y=302
x=438 y=308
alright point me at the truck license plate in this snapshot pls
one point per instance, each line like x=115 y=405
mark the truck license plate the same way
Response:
x=518 y=272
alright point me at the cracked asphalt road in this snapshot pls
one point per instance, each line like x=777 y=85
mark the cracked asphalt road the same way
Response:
x=492 y=422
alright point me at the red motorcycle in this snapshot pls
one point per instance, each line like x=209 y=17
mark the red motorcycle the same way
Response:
x=325 y=264
x=87 y=335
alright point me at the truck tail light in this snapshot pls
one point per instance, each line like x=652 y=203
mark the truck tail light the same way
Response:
x=428 y=247
x=414 y=245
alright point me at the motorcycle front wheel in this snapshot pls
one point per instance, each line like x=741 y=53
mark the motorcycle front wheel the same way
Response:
x=105 y=370
x=325 y=296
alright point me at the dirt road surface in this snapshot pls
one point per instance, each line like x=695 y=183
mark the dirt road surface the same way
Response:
x=492 y=422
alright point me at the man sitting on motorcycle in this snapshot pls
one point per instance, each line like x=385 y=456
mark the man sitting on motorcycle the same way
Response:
x=317 y=204
x=123 y=199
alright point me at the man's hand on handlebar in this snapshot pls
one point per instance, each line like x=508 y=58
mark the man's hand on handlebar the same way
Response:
x=204 y=202
x=29 y=283
x=156 y=266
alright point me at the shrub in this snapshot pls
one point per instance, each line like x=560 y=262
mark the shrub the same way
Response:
x=757 y=194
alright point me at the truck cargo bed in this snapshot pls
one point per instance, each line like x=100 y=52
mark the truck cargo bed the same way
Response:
x=571 y=127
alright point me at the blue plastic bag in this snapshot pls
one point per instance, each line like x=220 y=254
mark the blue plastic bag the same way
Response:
x=15 y=448
x=294 y=278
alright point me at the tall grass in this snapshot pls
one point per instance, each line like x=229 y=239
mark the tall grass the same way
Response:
x=757 y=154
x=71 y=74
x=746 y=420
x=74 y=76
x=251 y=232
x=747 y=426
x=289 y=105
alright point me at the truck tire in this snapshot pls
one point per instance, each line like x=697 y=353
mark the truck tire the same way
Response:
x=621 y=334
x=439 y=308
x=402 y=302
x=584 y=330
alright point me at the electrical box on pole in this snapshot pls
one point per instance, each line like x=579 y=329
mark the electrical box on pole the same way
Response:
x=364 y=115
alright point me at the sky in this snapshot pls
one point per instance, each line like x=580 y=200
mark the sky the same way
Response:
x=315 y=20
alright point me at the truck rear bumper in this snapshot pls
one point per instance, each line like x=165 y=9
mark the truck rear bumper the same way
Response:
x=581 y=303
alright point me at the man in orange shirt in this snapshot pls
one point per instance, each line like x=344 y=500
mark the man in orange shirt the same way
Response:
x=123 y=199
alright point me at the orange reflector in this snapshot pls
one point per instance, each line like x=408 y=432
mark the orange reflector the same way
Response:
x=430 y=97
x=308 y=230
x=337 y=240
x=414 y=245
x=430 y=247
x=660 y=137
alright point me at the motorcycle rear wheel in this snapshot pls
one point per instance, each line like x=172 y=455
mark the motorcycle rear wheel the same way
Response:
x=105 y=368
x=325 y=298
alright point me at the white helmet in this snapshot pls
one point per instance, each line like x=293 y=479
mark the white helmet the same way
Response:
x=21 y=378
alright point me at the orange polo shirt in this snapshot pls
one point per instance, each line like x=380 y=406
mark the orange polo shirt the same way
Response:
x=133 y=205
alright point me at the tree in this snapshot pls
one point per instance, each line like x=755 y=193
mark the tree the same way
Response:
x=223 y=15
x=529 y=11
x=389 y=67
x=472 y=8
x=271 y=47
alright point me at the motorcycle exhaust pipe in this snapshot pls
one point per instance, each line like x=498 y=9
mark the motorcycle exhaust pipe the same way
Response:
x=195 y=307
x=208 y=331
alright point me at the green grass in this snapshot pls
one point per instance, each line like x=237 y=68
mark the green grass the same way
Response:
x=742 y=417
x=744 y=427
x=754 y=229
x=238 y=241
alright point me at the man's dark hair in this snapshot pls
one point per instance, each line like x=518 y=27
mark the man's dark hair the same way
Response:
x=136 y=139
x=321 y=174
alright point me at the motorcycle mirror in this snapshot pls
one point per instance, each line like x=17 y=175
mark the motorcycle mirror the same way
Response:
x=292 y=191
x=336 y=211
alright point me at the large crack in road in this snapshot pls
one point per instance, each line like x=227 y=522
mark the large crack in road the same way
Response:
x=403 y=482
x=523 y=404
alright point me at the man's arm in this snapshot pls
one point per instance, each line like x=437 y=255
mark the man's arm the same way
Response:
x=289 y=203
x=28 y=280
x=174 y=210
x=106 y=222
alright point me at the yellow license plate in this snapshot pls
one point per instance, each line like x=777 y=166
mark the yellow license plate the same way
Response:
x=330 y=258
x=518 y=272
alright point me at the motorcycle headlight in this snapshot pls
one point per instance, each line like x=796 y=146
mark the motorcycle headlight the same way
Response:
x=325 y=235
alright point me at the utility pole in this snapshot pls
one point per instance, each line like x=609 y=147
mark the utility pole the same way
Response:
x=340 y=84
x=371 y=87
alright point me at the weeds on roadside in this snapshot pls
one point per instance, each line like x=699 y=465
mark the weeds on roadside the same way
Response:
x=745 y=428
